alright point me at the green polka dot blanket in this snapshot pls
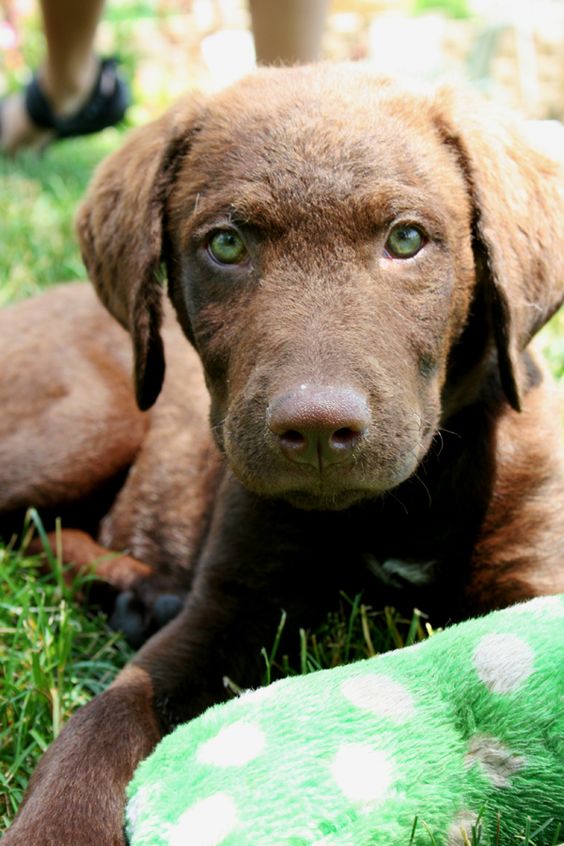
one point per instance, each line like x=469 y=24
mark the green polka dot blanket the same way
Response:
x=456 y=740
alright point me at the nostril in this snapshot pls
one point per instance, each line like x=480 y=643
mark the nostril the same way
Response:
x=345 y=437
x=297 y=446
x=292 y=438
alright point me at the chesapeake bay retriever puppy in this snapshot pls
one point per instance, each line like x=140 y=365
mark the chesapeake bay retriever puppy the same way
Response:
x=359 y=270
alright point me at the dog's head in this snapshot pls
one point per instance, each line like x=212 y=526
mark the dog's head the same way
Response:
x=353 y=263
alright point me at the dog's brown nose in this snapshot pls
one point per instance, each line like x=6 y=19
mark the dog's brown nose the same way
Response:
x=319 y=425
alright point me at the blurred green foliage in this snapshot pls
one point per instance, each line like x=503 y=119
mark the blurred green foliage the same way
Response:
x=38 y=198
x=458 y=9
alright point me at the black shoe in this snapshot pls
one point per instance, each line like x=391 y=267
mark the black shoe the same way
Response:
x=105 y=106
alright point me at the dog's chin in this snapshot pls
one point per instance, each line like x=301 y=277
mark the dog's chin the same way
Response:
x=312 y=492
x=325 y=502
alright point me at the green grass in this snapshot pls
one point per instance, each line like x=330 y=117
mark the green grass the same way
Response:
x=38 y=197
x=54 y=656
x=352 y=632
x=54 y=653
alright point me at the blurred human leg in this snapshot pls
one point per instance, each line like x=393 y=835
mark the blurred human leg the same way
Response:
x=288 y=31
x=70 y=78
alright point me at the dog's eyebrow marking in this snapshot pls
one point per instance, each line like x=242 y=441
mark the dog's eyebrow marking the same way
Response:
x=378 y=205
x=252 y=208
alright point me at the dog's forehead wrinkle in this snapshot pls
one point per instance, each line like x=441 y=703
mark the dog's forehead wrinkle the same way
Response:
x=314 y=157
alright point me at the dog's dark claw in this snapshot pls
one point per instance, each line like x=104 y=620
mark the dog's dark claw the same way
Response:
x=129 y=617
x=138 y=620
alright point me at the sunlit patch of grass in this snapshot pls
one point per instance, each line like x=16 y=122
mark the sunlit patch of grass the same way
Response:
x=38 y=199
x=551 y=342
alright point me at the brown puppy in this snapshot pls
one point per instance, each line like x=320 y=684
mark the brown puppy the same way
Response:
x=360 y=270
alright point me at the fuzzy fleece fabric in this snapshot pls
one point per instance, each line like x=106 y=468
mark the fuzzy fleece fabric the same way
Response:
x=456 y=740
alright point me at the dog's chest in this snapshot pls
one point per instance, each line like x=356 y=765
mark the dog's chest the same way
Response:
x=402 y=557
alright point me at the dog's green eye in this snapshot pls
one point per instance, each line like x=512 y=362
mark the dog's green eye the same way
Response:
x=227 y=247
x=405 y=241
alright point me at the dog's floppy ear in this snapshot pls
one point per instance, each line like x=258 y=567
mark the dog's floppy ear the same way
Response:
x=518 y=198
x=120 y=229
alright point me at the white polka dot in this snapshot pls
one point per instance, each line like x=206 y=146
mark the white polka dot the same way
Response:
x=135 y=807
x=550 y=606
x=380 y=695
x=503 y=662
x=363 y=774
x=261 y=694
x=233 y=746
x=207 y=823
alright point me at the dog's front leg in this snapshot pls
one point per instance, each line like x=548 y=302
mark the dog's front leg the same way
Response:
x=252 y=566
x=75 y=797
x=261 y=559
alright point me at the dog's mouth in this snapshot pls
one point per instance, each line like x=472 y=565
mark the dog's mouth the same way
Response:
x=338 y=501
x=334 y=489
